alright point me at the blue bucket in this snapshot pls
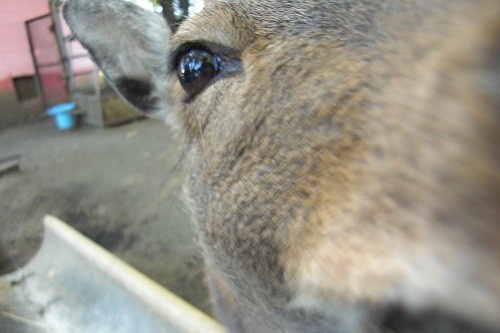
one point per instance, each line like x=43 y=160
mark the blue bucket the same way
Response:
x=63 y=117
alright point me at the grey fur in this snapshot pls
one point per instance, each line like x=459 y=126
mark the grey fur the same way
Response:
x=346 y=180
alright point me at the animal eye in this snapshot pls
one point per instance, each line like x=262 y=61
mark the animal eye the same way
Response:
x=196 y=68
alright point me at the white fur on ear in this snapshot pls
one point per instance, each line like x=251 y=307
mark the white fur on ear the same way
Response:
x=130 y=45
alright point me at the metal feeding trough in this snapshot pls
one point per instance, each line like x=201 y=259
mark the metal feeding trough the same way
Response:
x=74 y=285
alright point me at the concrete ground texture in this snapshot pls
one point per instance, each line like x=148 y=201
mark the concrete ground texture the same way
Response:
x=120 y=186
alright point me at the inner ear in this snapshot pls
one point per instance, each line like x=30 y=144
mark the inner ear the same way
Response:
x=138 y=92
x=128 y=43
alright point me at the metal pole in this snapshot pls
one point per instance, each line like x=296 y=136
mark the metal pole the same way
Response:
x=35 y=64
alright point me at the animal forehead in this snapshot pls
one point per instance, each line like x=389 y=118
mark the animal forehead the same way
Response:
x=235 y=23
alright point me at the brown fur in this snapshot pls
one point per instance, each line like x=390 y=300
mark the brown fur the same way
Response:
x=347 y=180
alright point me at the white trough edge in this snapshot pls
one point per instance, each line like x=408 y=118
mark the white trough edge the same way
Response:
x=167 y=306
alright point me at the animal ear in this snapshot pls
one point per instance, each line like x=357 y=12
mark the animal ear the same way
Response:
x=129 y=44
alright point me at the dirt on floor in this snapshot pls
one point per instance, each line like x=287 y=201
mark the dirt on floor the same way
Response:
x=119 y=186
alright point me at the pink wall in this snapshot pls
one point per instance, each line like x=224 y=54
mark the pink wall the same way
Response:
x=15 y=58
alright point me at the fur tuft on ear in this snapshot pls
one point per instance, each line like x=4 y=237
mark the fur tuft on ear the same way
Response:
x=129 y=44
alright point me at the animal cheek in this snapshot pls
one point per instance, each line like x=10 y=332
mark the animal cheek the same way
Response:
x=342 y=266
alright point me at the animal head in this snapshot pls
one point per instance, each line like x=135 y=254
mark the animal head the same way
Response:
x=343 y=155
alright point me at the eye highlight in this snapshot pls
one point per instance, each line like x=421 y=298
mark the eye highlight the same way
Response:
x=196 y=68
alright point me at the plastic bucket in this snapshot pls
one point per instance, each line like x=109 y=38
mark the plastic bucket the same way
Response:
x=63 y=117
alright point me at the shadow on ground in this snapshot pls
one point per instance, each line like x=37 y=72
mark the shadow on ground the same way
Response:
x=119 y=186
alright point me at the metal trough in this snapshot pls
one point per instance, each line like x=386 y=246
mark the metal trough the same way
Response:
x=74 y=285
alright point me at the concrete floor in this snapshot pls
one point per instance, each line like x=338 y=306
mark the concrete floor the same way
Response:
x=119 y=186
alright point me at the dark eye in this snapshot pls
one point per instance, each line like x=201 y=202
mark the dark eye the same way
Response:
x=196 y=68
